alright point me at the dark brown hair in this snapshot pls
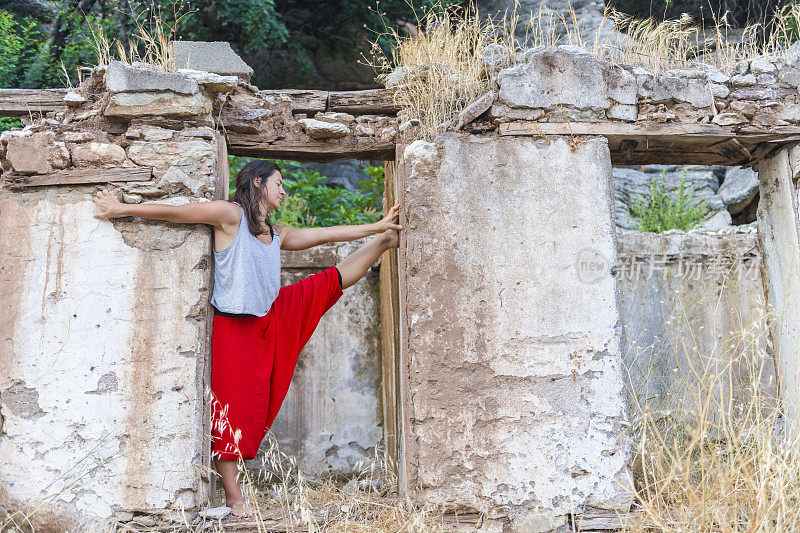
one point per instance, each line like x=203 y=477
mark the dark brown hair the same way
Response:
x=248 y=195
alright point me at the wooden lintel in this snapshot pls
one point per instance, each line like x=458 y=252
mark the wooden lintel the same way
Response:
x=368 y=102
x=22 y=102
x=731 y=149
x=79 y=176
x=310 y=150
x=303 y=100
x=616 y=130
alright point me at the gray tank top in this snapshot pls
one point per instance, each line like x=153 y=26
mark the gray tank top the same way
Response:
x=247 y=274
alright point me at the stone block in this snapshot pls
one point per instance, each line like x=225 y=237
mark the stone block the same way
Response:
x=758 y=92
x=73 y=99
x=217 y=57
x=554 y=77
x=95 y=154
x=129 y=105
x=317 y=129
x=738 y=189
x=762 y=65
x=623 y=112
x=695 y=91
x=788 y=112
x=214 y=82
x=168 y=153
x=512 y=350
x=719 y=90
x=121 y=78
x=38 y=153
x=790 y=72
x=743 y=80
x=177 y=180
x=729 y=119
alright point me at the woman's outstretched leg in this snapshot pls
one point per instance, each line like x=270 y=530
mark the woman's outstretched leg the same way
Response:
x=356 y=265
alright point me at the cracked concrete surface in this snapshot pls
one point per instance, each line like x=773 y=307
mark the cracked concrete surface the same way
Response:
x=513 y=386
x=93 y=342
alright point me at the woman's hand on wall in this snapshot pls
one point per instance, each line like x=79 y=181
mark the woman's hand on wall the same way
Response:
x=109 y=205
x=390 y=220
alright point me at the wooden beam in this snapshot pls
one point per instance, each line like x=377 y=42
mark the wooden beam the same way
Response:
x=247 y=145
x=79 y=176
x=303 y=101
x=617 y=130
x=389 y=337
x=368 y=102
x=22 y=102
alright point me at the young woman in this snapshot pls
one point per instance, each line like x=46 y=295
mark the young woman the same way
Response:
x=259 y=328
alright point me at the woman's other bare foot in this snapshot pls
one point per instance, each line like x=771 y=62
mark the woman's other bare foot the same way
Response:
x=240 y=508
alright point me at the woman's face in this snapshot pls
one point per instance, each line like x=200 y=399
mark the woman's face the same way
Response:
x=273 y=193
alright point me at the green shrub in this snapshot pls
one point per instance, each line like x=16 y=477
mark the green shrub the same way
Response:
x=7 y=123
x=312 y=203
x=659 y=212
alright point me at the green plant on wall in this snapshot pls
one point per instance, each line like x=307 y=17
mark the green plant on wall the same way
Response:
x=312 y=203
x=659 y=212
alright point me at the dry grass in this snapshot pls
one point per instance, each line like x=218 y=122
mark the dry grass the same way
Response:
x=710 y=454
x=150 y=42
x=440 y=68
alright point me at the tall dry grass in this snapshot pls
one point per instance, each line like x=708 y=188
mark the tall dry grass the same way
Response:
x=452 y=56
x=440 y=69
x=710 y=454
x=150 y=41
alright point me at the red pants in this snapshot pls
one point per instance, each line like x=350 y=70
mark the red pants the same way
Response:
x=253 y=359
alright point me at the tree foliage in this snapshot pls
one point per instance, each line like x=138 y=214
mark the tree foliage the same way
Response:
x=36 y=52
x=312 y=203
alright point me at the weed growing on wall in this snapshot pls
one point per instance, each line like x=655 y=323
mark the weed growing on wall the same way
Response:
x=312 y=203
x=659 y=212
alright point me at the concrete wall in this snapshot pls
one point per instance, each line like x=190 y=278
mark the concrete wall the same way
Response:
x=101 y=365
x=780 y=239
x=694 y=309
x=513 y=389
x=331 y=418
x=104 y=333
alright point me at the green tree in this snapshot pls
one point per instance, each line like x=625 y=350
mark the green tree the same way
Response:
x=312 y=203
x=659 y=212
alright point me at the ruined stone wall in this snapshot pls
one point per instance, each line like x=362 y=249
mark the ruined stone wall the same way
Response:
x=512 y=388
x=695 y=321
x=105 y=323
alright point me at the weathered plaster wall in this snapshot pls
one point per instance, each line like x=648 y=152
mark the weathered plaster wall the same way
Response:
x=101 y=360
x=780 y=240
x=331 y=418
x=104 y=323
x=513 y=388
x=694 y=309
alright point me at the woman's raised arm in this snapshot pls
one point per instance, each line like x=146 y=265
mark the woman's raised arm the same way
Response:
x=216 y=213
x=303 y=238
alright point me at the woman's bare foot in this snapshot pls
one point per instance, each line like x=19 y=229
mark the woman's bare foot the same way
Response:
x=240 y=508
